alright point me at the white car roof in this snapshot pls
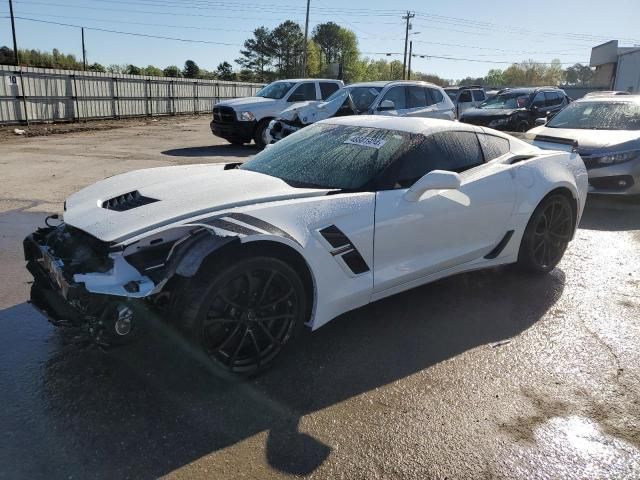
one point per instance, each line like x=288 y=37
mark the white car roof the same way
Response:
x=295 y=80
x=384 y=83
x=403 y=124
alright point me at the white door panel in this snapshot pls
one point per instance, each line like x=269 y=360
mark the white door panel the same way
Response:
x=444 y=229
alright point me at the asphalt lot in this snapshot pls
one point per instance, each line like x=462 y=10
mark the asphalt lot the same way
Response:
x=492 y=374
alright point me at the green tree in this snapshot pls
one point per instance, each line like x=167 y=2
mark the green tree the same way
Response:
x=191 y=69
x=257 y=55
x=313 y=59
x=225 y=71
x=152 y=71
x=133 y=70
x=579 y=74
x=286 y=45
x=96 y=67
x=172 y=71
x=328 y=38
x=494 y=78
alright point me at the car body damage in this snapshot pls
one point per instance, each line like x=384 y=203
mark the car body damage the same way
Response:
x=290 y=242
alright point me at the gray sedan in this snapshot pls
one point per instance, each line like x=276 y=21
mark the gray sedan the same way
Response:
x=607 y=132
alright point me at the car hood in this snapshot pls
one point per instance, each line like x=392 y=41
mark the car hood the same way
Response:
x=247 y=102
x=175 y=193
x=592 y=140
x=311 y=112
x=488 y=112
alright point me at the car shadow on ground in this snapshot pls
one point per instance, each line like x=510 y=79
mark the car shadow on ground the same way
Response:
x=611 y=213
x=153 y=406
x=214 y=151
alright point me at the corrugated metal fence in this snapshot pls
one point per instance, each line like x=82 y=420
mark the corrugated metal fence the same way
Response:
x=46 y=95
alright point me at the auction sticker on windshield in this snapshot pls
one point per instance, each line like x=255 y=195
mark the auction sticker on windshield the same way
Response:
x=366 y=141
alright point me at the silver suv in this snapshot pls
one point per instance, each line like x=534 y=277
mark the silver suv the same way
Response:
x=395 y=98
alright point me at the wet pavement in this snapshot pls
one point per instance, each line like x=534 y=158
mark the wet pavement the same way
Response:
x=492 y=374
x=486 y=375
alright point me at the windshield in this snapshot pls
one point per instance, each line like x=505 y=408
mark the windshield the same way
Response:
x=507 y=100
x=453 y=94
x=362 y=97
x=330 y=156
x=598 y=116
x=275 y=90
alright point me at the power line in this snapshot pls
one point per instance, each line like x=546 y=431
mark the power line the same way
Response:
x=446 y=57
x=165 y=25
x=132 y=33
x=461 y=22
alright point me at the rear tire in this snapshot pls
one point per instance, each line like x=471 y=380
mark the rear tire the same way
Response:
x=243 y=314
x=547 y=234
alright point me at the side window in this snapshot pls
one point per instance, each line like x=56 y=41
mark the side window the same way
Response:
x=493 y=146
x=478 y=96
x=416 y=97
x=464 y=96
x=539 y=100
x=327 y=88
x=553 y=98
x=453 y=151
x=436 y=96
x=397 y=96
x=303 y=92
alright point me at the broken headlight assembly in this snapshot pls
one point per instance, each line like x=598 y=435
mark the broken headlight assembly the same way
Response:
x=246 y=116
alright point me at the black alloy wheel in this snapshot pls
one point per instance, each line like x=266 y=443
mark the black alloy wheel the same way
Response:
x=547 y=235
x=251 y=311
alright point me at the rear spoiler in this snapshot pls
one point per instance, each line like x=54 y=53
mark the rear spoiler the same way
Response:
x=545 y=138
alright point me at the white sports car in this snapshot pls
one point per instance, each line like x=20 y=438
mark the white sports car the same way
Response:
x=342 y=213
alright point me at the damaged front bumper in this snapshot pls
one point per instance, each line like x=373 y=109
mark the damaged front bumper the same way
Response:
x=56 y=257
x=280 y=129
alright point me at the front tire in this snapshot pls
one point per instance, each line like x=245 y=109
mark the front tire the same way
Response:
x=243 y=314
x=547 y=234
x=262 y=136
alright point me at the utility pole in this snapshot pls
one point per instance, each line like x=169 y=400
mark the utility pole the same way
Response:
x=406 y=42
x=13 y=29
x=84 y=53
x=306 y=40
x=410 y=55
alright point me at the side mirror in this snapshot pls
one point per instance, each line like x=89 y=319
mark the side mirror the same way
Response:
x=386 y=105
x=435 y=180
x=540 y=121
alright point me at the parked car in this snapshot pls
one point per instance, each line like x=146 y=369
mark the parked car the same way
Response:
x=466 y=97
x=347 y=211
x=397 y=98
x=516 y=109
x=605 y=93
x=606 y=130
x=242 y=119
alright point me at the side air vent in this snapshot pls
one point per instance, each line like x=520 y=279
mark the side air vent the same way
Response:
x=127 y=201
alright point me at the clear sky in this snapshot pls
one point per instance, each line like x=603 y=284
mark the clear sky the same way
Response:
x=498 y=31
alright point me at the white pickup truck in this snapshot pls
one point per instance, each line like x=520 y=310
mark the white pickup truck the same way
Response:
x=242 y=119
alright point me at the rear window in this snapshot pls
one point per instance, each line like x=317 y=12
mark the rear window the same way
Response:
x=436 y=95
x=479 y=96
x=327 y=89
x=416 y=97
